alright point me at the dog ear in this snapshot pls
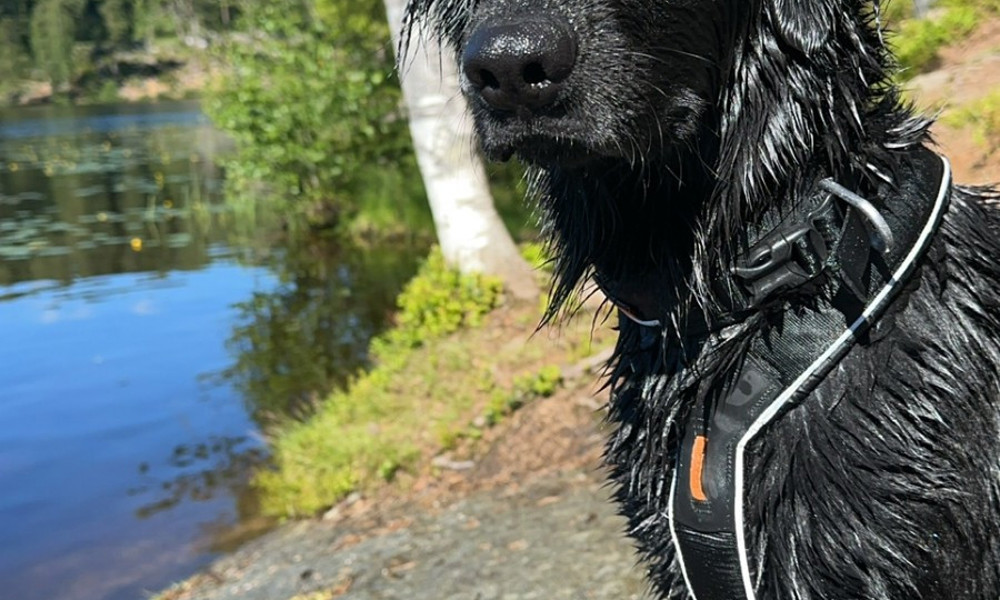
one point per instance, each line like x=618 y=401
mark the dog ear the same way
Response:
x=806 y=25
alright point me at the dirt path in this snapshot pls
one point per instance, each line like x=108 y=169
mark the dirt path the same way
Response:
x=969 y=71
x=555 y=538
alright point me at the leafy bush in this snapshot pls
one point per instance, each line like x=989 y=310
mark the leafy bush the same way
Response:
x=309 y=98
x=439 y=301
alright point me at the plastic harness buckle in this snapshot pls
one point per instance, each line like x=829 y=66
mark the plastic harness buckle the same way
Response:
x=788 y=258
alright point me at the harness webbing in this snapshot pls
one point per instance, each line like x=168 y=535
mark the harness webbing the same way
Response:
x=785 y=364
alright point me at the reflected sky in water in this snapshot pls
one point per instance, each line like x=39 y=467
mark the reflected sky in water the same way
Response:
x=147 y=332
x=99 y=383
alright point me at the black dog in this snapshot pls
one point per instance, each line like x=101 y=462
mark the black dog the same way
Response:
x=807 y=378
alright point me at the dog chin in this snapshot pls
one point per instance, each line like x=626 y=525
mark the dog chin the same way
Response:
x=545 y=152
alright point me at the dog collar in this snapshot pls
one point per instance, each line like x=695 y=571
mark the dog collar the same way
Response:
x=787 y=362
x=796 y=252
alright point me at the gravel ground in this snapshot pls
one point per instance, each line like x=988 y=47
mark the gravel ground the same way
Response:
x=556 y=538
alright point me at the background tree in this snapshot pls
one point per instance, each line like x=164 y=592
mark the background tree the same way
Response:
x=53 y=33
x=308 y=98
x=14 y=59
x=471 y=234
x=118 y=18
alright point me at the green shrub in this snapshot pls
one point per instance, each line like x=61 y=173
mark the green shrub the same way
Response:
x=439 y=301
x=920 y=40
x=308 y=97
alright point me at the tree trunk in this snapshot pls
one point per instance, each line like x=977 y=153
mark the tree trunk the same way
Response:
x=471 y=234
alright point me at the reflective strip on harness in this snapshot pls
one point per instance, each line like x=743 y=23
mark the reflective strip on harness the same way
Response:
x=706 y=510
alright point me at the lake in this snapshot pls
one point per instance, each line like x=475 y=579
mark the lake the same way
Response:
x=148 y=332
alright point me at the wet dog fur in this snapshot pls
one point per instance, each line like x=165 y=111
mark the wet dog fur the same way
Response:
x=682 y=122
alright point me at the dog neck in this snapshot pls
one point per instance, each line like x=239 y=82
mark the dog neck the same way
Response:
x=663 y=242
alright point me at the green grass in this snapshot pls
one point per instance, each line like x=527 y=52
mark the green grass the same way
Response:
x=439 y=381
x=377 y=426
x=527 y=387
x=982 y=116
x=917 y=42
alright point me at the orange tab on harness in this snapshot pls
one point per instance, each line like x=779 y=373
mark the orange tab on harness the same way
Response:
x=697 y=464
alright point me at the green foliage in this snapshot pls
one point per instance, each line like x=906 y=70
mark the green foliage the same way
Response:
x=368 y=432
x=53 y=24
x=542 y=384
x=918 y=42
x=537 y=256
x=983 y=116
x=439 y=301
x=14 y=58
x=309 y=100
x=119 y=21
x=526 y=388
x=72 y=43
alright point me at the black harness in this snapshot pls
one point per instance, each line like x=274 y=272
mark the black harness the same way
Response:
x=835 y=240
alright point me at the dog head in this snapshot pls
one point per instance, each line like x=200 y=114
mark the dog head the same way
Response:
x=569 y=82
x=573 y=81
x=691 y=116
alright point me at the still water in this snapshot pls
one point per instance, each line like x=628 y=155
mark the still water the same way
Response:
x=147 y=333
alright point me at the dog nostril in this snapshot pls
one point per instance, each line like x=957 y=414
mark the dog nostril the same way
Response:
x=488 y=80
x=534 y=74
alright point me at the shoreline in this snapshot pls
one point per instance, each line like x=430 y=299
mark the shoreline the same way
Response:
x=497 y=520
x=168 y=72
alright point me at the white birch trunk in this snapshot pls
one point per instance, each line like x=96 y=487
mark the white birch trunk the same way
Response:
x=471 y=234
x=922 y=7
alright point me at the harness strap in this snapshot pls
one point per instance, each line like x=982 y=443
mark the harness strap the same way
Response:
x=782 y=367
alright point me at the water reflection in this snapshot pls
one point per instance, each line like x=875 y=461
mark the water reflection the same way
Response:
x=94 y=200
x=202 y=471
x=307 y=335
x=148 y=332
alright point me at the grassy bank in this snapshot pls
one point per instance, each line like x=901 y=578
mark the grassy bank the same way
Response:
x=456 y=363
x=918 y=42
x=981 y=117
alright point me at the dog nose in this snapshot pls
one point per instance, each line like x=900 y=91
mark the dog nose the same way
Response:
x=520 y=63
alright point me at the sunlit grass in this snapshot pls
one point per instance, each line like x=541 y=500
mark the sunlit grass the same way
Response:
x=982 y=117
x=917 y=43
x=439 y=379
x=365 y=434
